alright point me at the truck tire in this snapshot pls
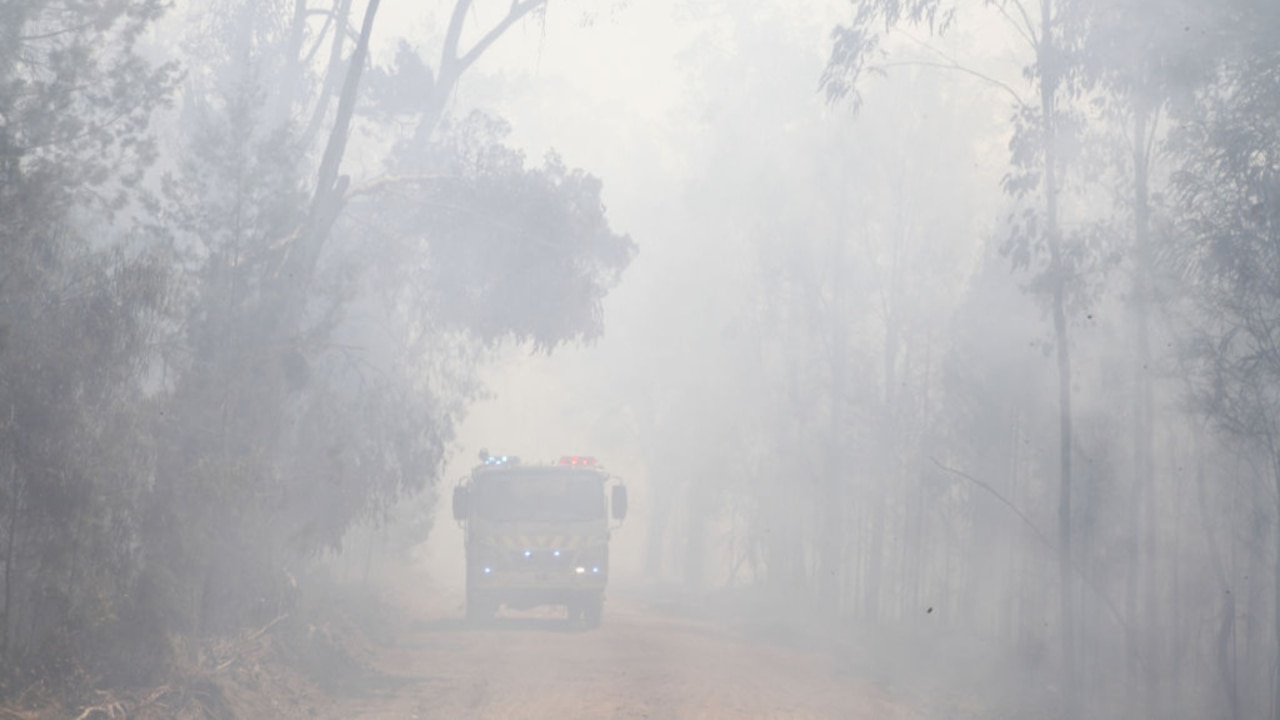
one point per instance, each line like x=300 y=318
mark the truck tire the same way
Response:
x=593 y=612
x=480 y=608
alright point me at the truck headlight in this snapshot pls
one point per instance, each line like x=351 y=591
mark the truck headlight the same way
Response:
x=580 y=570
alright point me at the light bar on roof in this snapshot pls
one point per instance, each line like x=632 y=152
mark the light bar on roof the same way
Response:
x=577 y=460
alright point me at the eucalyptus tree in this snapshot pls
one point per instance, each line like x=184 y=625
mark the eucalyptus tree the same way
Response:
x=78 y=304
x=1227 y=178
x=1037 y=157
x=1139 y=59
x=334 y=324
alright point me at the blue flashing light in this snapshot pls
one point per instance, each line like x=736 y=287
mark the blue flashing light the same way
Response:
x=501 y=460
x=595 y=569
x=488 y=570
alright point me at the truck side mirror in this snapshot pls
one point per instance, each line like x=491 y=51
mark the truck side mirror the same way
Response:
x=618 y=502
x=460 y=504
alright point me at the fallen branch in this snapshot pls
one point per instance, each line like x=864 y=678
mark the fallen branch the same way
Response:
x=267 y=627
x=1135 y=647
x=1005 y=501
x=257 y=634
x=110 y=709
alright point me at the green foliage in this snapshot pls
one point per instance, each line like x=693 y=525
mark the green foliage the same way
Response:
x=497 y=249
x=183 y=419
x=1228 y=182
x=856 y=45
x=75 y=102
x=75 y=96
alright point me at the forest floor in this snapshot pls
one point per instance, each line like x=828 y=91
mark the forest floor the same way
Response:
x=638 y=664
x=405 y=652
x=657 y=655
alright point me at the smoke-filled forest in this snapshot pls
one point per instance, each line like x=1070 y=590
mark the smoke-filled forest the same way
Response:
x=938 y=342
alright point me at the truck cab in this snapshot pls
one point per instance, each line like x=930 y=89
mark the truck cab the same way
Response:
x=538 y=535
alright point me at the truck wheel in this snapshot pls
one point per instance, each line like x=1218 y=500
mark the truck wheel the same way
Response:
x=479 y=608
x=593 y=612
x=575 y=612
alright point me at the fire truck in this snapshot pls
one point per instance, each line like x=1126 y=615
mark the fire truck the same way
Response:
x=538 y=534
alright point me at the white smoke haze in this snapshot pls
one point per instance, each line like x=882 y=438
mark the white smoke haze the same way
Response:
x=933 y=343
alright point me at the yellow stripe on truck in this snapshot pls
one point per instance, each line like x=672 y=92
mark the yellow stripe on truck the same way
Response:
x=542 y=542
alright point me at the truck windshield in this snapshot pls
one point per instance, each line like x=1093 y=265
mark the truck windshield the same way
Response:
x=538 y=496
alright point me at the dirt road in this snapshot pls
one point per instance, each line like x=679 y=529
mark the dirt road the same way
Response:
x=642 y=663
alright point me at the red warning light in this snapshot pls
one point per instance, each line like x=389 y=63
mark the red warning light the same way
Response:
x=577 y=460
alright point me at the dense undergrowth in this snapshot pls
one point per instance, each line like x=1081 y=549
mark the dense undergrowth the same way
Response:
x=292 y=666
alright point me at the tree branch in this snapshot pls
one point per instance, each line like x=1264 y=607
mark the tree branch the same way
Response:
x=1027 y=33
x=1026 y=19
x=518 y=10
x=330 y=16
x=343 y=10
x=1097 y=591
x=303 y=252
x=960 y=68
x=1044 y=539
x=449 y=54
x=452 y=65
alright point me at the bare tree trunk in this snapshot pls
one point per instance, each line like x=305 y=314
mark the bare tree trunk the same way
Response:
x=655 y=539
x=875 y=558
x=695 y=545
x=339 y=14
x=328 y=199
x=1275 y=597
x=1048 y=61
x=281 y=104
x=1217 y=560
x=831 y=544
x=368 y=558
x=1010 y=616
x=453 y=62
x=1142 y=513
x=15 y=512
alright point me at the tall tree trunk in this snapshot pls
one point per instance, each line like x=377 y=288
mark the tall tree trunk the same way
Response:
x=1009 y=618
x=328 y=200
x=1048 y=62
x=831 y=544
x=659 y=514
x=454 y=62
x=695 y=540
x=1275 y=598
x=15 y=512
x=1222 y=573
x=280 y=106
x=340 y=13
x=1145 y=561
x=875 y=558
